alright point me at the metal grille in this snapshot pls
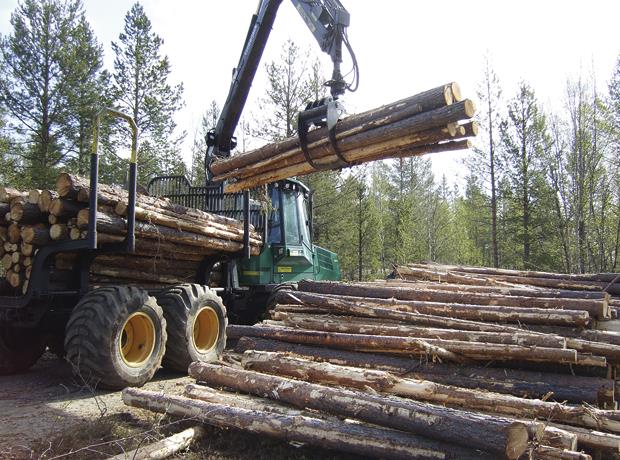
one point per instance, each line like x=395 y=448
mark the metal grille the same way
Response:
x=212 y=199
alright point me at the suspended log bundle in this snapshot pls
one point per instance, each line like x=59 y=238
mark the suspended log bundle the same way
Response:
x=437 y=120
x=171 y=240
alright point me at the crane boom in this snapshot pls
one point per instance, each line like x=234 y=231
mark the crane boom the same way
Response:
x=326 y=19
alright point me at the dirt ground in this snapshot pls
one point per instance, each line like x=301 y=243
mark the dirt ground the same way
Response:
x=46 y=413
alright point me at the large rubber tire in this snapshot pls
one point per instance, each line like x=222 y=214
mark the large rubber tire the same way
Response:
x=196 y=322
x=20 y=349
x=97 y=333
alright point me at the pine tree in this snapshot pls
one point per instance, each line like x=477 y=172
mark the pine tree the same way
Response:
x=87 y=93
x=288 y=91
x=141 y=89
x=523 y=136
x=486 y=161
x=41 y=63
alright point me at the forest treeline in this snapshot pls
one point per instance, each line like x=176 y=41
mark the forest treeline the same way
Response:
x=541 y=189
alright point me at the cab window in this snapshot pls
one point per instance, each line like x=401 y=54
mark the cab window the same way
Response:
x=291 y=221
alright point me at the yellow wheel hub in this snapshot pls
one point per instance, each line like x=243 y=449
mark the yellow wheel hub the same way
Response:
x=137 y=339
x=206 y=329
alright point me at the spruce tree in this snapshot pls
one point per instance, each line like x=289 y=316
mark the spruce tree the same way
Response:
x=142 y=90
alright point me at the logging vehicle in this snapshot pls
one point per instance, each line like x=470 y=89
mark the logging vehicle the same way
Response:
x=120 y=334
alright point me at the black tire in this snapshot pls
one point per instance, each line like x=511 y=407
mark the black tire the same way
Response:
x=97 y=343
x=186 y=307
x=20 y=349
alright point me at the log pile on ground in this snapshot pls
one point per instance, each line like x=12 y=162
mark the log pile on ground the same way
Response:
x=171 y=240
x=437 y=120
x=419 y=369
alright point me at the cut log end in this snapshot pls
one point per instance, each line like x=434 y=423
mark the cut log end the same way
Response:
x=455 y=89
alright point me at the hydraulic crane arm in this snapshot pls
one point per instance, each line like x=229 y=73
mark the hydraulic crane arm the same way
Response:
x=327 y=20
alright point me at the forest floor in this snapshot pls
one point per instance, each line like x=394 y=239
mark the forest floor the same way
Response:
x=47 y=414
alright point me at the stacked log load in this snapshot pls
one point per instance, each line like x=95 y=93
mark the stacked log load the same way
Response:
x=171 y=240
x=418 y=369
x=437 y=120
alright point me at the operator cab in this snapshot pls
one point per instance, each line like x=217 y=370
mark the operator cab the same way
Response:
x=289 y=254
x=289 y=220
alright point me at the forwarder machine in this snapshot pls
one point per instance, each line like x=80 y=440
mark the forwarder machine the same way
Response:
x=119 y=336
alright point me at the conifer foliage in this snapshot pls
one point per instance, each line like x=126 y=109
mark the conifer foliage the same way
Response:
x=142 y=89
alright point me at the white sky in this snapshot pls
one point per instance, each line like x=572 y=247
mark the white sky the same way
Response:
x=403 y=47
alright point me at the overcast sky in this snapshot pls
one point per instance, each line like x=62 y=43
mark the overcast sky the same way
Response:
x=403 y=47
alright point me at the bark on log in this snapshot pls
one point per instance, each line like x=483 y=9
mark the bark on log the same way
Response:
x=390 y=113
x=164 y=448
x=173 y=222
x=367 y=145
x=404 y=310
x=60 y=207
x=393 y=148
x=157 y=248
x=559 y=438
x=553 y=453
x=355 y=438
x=452 y=282
x=247 y=401
x=596 y=308
x=602 y=277
x=592 y=439
x=115 y=272
x=117 y=226
x=522 y=383
x=281 y=364
x=147 y=263
x=297 y=160
x=27 y=213
x=67 y=183
x=351 y=326
x=467 y=429
x=407 y=346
